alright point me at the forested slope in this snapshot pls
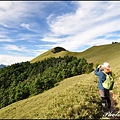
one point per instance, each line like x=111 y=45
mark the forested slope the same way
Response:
x=22 y=80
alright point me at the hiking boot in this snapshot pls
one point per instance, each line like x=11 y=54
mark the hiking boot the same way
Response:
x=104 y=109
x=109 y=106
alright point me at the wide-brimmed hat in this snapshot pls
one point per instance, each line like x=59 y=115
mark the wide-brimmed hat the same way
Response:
x=106 y=65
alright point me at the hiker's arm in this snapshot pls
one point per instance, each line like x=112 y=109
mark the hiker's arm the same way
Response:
x=97 y=72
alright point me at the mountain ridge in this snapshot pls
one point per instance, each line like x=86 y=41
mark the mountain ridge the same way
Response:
x=94 y=54
x=56 y=51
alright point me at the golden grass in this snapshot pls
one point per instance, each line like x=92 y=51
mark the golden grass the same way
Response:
x=74 y=97
x=49 y=54
x=95 y=54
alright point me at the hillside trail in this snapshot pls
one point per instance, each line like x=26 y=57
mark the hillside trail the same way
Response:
x=114 y=112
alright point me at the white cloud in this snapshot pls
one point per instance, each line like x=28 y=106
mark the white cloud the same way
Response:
x=32 y=26
x=28 y=37
x=5 y=40
x=50 y=38
x=20 y=10
x=10 y=10
x=25 y=25
x=72 y=30
x=14 y=47
x=9 y=59
x=91 y=20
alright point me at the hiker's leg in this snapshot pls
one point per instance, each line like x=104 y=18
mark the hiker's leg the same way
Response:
x=103 y=102
x=102 y=94
x=108 y=102
x=107 y=95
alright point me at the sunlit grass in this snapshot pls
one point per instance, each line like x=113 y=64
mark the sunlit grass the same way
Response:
x=76 y=97
x=95 y=54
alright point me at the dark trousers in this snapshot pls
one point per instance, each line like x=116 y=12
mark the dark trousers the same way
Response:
x=105 y=96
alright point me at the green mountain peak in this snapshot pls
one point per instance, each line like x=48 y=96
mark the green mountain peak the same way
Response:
x=58 y=49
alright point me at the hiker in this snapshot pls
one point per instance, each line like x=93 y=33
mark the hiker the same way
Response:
x=104 y=93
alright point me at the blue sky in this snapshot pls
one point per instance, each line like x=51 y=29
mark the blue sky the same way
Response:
x=29 y=28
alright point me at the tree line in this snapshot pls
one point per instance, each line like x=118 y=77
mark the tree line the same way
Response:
x=22 y=80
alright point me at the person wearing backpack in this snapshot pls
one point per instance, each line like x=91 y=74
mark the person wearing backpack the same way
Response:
x=101 y=72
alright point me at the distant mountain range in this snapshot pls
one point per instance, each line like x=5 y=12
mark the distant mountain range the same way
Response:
x=2 y=66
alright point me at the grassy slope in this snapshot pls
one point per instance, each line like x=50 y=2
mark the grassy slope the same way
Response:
x=62 y=101
x=95 y=54
x=100 y=54
x=49 y=54
x=74 y=97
